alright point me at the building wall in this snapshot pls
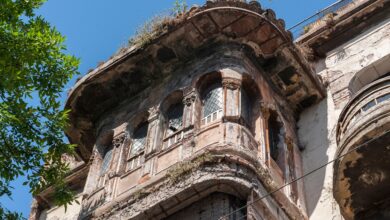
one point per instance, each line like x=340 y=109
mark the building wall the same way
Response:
x=229 y=137
x=123 y=193
x=317 y=124
x=59 y=213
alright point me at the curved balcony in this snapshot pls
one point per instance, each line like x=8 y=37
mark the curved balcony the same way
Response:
x=369 y=105
x=362 y=176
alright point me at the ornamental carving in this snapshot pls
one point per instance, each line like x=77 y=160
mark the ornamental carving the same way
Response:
x=189 y=99
x=266 y=109
x=231 y=83
x=119 y=140
x=153 y=113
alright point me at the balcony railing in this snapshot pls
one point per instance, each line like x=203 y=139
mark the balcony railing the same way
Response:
x=369 y=104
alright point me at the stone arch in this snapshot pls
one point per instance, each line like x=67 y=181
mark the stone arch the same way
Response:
x=211 y=97
x=173 y=98
x=137 y=120
x=103 y=141
x=203 y=81
x=370 y=73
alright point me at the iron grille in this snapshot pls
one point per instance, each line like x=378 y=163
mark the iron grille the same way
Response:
x=212 y=100
x=106 y=161
x=139 y=139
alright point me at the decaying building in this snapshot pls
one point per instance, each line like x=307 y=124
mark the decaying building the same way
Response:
x=222 y=113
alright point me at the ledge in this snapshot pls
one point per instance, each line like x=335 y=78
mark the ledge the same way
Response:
x=344 y=24
x=147 y=199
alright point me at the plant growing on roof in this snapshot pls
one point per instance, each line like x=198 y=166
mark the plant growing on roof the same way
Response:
x=179 y=7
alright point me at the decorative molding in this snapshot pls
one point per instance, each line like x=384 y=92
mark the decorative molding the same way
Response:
x=119 y=140
x=266 y=109
x=187 y=101
x=154 y=112
x=231 y=83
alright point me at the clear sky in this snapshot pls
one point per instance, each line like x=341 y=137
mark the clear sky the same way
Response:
x=95 y=29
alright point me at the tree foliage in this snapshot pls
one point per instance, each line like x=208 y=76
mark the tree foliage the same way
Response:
x=33 y=72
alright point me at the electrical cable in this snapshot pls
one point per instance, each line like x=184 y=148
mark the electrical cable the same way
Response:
x=299 y=178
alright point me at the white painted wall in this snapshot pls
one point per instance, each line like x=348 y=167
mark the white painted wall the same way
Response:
x=317 y=125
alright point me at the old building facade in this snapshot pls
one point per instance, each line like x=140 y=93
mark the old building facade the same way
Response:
x=223 y=115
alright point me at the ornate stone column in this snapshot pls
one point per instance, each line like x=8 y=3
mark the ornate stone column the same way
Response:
x=190 y=118
x=153 y=130
x=265 y=142
x=232 y=98
x=154 y=141
x=118 y=162
x=189 y=112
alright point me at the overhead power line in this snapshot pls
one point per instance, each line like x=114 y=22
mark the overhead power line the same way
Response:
x=299 y=178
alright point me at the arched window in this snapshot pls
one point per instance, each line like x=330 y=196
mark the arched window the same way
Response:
x=139 y=141
x=106 y=160
x=212 y=103
x=174 y=118
x=376 y=70
x=174 y=124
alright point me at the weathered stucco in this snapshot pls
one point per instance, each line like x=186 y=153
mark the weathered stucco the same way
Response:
x=363 y=58
x=288 y=125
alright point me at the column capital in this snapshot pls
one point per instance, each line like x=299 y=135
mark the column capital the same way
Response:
x=265 y=109
x=231 y=83
x=119 y=139
x=189 y=100
x=153 y=113
x=190 y=97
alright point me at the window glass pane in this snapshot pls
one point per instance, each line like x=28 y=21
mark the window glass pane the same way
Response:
x=383 y=98
x=274 y=129
x=212 y=100
x=369 y=105
x=106 y=161
x=175 y=117
x=245 y=106
x=139 y=138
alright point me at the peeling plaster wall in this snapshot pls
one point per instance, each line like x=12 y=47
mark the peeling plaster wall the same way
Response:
x=317 y=124
x=343 y=62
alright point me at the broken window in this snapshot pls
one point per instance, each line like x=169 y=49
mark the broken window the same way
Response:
x=175 y=118
x=212 y=103
x=139 y=139
x=136 y=155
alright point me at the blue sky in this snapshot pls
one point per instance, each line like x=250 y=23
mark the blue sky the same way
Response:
x=95 y=29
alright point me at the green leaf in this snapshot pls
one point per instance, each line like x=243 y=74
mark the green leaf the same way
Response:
x=33 y=66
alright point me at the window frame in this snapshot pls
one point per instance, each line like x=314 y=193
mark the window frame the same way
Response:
x=108 y=149
x=138 y=156
x=217 y=114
